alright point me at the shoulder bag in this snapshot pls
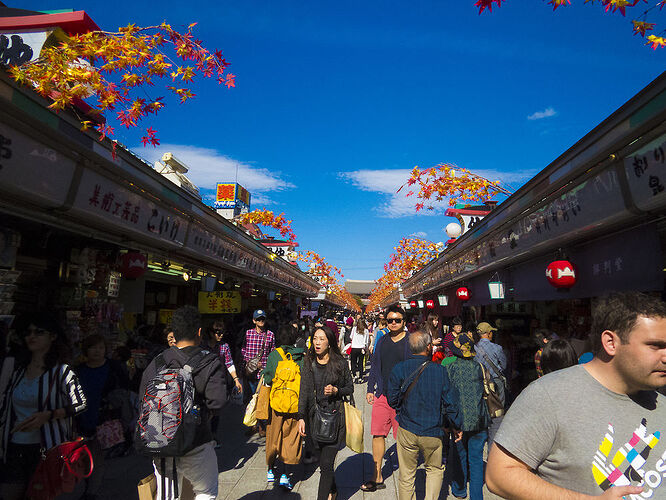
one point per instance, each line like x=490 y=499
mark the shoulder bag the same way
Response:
x=414 y=378
x=325 y=422
x=490 y=394
x=252 y=366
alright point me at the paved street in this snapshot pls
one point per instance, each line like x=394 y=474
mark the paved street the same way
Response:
x=242 y=467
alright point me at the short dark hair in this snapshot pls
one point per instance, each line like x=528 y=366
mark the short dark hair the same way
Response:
x=396 y=309
x=619 y=311
x=185 y=323
x=92 y=341
x=456 y=321
x=286 y=335
x=557 y=354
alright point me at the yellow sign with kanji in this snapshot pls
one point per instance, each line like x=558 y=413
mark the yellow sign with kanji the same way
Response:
x=219 y=302
x=164 y=316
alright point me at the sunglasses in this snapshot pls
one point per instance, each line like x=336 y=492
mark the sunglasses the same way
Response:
x=394 y=320
x=260 y=319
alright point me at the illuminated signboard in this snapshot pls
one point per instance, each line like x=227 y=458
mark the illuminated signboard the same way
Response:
x=231 y=196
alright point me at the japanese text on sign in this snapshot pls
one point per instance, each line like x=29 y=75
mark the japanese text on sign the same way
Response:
x=219 y=302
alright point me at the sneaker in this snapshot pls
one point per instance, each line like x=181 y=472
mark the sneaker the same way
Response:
x=285 y=482
x=270 y=476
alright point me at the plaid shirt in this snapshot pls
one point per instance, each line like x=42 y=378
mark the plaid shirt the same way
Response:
x=253 y=345
x=225 y=357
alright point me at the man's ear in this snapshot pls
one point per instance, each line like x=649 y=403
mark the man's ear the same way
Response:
x=610 y=342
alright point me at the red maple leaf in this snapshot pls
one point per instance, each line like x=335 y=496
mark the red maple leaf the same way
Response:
x=487 y=4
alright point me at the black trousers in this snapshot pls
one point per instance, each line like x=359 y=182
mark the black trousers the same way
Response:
x=327 y=478
x=357 y=361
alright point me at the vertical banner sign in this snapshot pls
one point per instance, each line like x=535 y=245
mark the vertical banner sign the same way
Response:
x=219 y=302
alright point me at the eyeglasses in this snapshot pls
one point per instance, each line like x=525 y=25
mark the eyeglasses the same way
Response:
x=394 y=320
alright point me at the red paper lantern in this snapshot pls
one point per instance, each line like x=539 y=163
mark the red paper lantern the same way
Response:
x=462 y=293
x=412 y=303
x=561 y=274
x=133 y=265
x=430 y=304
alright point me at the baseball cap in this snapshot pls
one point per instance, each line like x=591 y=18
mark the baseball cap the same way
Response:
x=484 y=327
x=259 y=313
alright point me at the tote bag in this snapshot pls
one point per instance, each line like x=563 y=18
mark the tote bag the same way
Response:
x=354 y=428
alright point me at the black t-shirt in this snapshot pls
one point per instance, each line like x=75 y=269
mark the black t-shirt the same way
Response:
x=391 y=353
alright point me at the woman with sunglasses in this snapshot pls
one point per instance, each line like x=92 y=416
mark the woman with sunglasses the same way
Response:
x=41 y=398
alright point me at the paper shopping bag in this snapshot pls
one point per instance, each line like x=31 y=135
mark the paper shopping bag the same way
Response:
x=354 y=428
x=148 y=488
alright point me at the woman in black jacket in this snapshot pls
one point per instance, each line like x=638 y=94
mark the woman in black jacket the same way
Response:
x=325 y=380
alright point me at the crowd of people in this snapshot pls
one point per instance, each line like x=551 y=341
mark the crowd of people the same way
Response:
x=445 y=389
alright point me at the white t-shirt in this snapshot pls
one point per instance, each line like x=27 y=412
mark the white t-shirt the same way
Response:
x=359 y=340
x=579 y=435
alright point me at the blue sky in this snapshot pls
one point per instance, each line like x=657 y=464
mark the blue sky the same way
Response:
x=336 y=101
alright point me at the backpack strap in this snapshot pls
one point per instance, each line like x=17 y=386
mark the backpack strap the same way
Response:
x=281 y=352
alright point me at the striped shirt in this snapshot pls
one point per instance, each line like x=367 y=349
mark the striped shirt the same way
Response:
x=59 y=388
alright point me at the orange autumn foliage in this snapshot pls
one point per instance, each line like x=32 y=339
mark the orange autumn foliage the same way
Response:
x=115 y=69
x=269 y=219
x=409 y=256
x=447 y=181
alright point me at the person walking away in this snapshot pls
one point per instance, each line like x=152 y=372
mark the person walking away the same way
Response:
x=493 y=359
x=380 y=330
x=282 y=374
x=557 y=355
x=330 y=322
x=259 y=342
x=226 y=358
x=42 y=397
x=391 y=350
x=465 y=464
x=592 y=430
x=425 y=402
x=325 y=380
x=359 y=344
x=198 y=463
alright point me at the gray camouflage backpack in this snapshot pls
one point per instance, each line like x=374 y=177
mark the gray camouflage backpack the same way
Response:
x=168 y=414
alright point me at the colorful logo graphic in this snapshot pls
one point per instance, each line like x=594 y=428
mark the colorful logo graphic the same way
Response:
x=627 y=463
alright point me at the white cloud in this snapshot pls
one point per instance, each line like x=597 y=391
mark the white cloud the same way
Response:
x=208 y=166
x=387 y=182
x=546 y=113
x=419 y=234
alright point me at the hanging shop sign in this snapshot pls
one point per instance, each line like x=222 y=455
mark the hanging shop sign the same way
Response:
x=133 y=265
x=430 y=304
x=646 y=172
x=463 y=293
x=443 y=300
x=219 y=302
x=115 y=205
x=561 y=274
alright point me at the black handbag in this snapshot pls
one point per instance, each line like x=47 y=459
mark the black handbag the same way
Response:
x=325 y=424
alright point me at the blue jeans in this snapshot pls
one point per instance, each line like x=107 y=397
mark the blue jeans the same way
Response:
x=466 y=465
